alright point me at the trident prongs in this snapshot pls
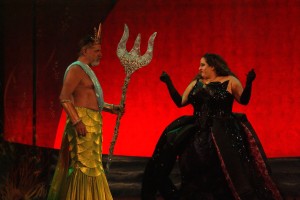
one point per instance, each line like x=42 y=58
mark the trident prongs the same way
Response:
x=133 y=60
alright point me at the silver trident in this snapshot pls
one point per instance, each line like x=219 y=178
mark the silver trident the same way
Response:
x=131 y=61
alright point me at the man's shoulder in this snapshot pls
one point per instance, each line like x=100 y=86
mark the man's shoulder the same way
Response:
x=74 y=70
x=74 y=67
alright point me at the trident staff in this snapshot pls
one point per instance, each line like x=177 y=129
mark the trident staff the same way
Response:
x=131 y=61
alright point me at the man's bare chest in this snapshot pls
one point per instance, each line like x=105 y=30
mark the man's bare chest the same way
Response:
x=86 y=82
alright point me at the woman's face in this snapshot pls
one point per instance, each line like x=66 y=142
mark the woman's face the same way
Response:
x=205 y=70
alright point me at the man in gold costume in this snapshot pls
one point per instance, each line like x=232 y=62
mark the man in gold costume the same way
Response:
x=79 y=173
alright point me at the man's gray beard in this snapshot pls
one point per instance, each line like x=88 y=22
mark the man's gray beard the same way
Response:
x=95 y=63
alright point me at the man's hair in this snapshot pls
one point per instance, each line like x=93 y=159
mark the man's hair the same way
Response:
x=87 y=41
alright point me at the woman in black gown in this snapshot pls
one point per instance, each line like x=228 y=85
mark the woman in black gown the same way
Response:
x=220 y=156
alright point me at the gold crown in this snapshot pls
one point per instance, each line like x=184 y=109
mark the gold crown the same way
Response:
x=97 y=35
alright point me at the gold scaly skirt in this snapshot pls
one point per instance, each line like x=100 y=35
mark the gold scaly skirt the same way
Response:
x=79 y=174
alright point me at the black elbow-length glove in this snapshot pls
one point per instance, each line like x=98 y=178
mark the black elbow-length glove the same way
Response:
x=245 y=97
x=176 y=97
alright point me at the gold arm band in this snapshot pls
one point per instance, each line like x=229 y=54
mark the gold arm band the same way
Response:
x=109 y=107
x=71 y=111
x=65 y=100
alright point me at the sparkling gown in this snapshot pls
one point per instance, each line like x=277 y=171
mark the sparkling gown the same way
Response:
x=220 y=156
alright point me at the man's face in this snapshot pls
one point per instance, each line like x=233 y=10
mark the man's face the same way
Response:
x=93 y=54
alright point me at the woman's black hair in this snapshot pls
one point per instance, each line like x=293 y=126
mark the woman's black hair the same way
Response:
x=220 y=65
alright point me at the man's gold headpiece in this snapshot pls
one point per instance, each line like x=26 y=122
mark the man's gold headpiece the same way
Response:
x=97 y=35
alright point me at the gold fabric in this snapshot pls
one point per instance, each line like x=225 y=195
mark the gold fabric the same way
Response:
x=79 y=174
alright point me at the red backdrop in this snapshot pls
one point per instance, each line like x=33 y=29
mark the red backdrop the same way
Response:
x=263 y=35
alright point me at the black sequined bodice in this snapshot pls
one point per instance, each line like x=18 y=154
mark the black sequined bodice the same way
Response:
x=211 y=100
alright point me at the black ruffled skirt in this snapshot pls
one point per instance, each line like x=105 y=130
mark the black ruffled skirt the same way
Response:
x=219 y=158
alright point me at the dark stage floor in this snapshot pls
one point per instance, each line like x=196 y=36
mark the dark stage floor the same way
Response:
x=125 y=172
